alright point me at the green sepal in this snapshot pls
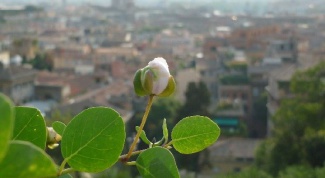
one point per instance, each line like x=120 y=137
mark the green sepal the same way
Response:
x=170 y=88
x=138 y=88
x=147 y=80
x=143 y=136
x=165 y=131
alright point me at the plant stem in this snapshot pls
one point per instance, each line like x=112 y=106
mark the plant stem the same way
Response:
x=144 y=119
x=66 y=171
x=168 y=144
x=122 y=157
x=62 y=167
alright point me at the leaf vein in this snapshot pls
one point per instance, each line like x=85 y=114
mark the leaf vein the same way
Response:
x=82 y=147
x=183 y=138
x=30 y=119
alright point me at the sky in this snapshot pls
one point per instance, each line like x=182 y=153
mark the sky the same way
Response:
x=107 y=2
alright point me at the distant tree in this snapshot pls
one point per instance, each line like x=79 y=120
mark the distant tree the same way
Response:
x=42 y=62
x=260 y=111
x=251 y=172
x=2 y=19
x=301 y=171
x=197 y=100
x=57 y=115
x=299 y=125
x=31 y=8
x=196 y=103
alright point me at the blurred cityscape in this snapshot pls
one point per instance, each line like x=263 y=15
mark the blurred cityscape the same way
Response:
x=63 y=56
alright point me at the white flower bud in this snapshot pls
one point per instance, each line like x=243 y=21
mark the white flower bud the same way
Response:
x=154 y=79
x=161 y=75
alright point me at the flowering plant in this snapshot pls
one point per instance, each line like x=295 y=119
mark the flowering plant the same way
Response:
x=94 y=139
x=154 y=79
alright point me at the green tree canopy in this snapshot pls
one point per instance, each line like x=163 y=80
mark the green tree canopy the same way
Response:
x=197 y=100
x=299 y=125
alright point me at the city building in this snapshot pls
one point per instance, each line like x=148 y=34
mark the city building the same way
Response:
x=17 y=82
x=229 y=155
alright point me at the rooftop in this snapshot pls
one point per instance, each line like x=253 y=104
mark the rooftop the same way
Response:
x=235 y=148
x=14 y=72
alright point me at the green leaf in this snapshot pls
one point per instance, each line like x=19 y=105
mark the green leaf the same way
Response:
x=59 y=127
x=6 y=123
x=157 y=162
x=30 y=126
x=165 y=131
x=93 y=140
x=193 y=134
x=143 y=136
x=24 y=159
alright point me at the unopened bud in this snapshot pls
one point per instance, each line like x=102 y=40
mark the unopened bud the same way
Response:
x=52 y=138
x=154 y=79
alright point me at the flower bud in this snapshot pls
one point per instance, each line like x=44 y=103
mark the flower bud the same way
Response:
x=52 y=138
x=154 y=79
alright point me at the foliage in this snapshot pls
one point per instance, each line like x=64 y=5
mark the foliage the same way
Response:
x=6 y=124
x=56 y=115
x=94 y=139
x=157 y=162
x=260 y=113
x=247 y=173
x=229 y=55
x=237 y=66
x=92 y=142
x=234 y=80
x=197 y=100
x=27 y=9
x=225 y=105
x=148 y=29
x=240 y=131
x=106 y=140
x=192 y=131
x=2 y=19
x=297 y=172
x=32 y=161
x=29 y=126
x=42 y=62
x=299 y=127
